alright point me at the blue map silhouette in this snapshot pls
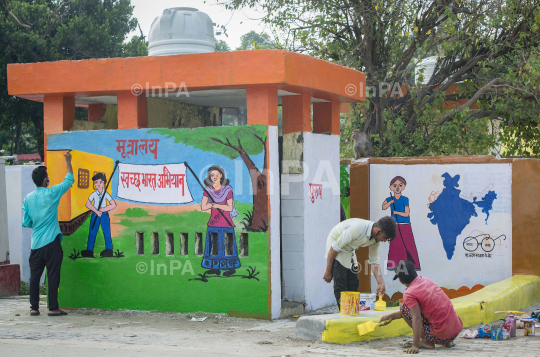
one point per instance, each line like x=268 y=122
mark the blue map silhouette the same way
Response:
x=486 y=203
x=452 y=213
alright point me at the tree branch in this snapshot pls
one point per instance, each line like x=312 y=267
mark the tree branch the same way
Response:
x=528 y=95
x=228 y=144
x=15 y=17
x=484 y=90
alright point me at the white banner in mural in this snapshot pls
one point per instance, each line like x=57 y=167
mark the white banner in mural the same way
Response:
x=454 y=221
x=153 y=183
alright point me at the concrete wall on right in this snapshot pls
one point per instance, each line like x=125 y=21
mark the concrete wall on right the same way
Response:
x=495 y=195
x=525 y=216
x=4 y=242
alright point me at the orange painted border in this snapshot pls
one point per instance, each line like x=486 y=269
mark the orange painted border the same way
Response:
x=525 y=217
x=451 y=293
x=359 y=181
x=201 y=71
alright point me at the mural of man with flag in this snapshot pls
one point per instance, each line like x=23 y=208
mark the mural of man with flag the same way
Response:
x=97 y=203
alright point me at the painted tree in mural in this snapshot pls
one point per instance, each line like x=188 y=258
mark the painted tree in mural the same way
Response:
x=233 y=142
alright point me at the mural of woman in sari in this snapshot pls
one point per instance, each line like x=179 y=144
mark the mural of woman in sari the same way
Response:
x=220 y=251
x=404 y=246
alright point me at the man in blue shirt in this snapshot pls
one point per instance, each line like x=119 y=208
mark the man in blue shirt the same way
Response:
x=40 y=209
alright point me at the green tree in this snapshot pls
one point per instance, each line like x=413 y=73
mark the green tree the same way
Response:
x=482 y=46
x=136 y=47
x=52 y=30
x=233 y=142
x=256 y=41
x=222 y=46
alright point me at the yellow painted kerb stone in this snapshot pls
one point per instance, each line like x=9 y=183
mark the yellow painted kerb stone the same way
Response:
x=514 y=293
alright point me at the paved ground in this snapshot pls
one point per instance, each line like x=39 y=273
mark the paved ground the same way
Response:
x=133 y=333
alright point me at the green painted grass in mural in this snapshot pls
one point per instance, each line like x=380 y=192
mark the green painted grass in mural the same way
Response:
x=162 y=282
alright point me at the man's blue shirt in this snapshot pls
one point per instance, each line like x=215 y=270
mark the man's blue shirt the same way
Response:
x=40 y=209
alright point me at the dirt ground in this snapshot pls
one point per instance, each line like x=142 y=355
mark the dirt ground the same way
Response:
x=102 y=333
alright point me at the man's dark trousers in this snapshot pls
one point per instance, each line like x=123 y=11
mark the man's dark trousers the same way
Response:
x=50 y=256
x=344 y=280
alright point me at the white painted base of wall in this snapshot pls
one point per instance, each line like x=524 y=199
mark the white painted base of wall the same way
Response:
x=275 y=246
x=19 y=184
x=292 y=237
x=4 y=241
x=321 y=214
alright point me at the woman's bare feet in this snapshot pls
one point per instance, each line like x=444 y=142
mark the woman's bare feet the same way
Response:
x=426 y=344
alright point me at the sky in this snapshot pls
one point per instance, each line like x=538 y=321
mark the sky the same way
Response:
x=237 y=23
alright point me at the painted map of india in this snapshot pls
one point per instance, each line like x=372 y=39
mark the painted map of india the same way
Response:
x=452 y=214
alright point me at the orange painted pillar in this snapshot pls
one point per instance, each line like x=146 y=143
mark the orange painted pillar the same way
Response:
x=326 y=117
x=58 y=116
x=262 y=105
x=96 y=112
x=132 y=110
x=262 y=108
x=296 y=111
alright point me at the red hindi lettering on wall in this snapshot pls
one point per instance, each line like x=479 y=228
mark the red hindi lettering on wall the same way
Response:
x=152 y=183
x=137 y=146
x=315 y=190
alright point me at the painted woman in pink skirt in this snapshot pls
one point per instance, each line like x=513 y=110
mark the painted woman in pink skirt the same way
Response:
x=404 y=241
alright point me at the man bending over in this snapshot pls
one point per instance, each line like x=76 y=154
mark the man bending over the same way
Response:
x=341 y=245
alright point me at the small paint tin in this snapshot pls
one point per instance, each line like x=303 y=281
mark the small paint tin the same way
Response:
x=529 y=327
x=367 y=301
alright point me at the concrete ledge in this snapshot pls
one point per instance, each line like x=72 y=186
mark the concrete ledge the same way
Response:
x=513 y=293
x=291 y=308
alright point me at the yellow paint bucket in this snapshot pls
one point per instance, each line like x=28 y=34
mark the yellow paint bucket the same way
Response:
x=350 y=303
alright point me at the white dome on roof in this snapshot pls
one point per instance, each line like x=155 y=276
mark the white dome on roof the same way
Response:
x=181 y=30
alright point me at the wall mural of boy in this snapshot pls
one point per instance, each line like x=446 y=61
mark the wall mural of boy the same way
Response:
x=404 y=246
x=100 y=203
x=216 y=258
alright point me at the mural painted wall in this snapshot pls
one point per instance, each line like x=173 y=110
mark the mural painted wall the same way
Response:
x=454 y=221
x=167 y=219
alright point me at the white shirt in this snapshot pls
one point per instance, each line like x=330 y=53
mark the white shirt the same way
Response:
x=350 y=235
x=96 y=197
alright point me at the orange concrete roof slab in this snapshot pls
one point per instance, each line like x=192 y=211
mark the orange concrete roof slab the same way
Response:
x=203 y=71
